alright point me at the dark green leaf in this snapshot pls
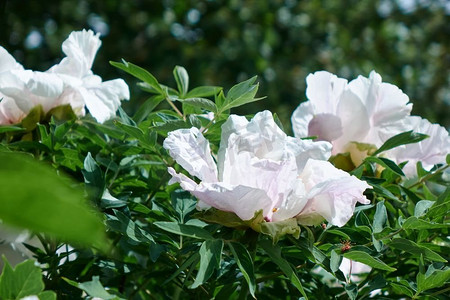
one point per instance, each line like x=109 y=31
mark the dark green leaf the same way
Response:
x=210 y=257
x=431 y=280
x=201 y=103
x=245 y=263
x=389 y=164
x=93 y=177
x=367 y=259
x=274 y=253
x=380 y=217
x=139 y=73
x=403 y=138
x=185 y=230
x=147 y=107
x=415 y=249
x=10 y=128
x=203 y=91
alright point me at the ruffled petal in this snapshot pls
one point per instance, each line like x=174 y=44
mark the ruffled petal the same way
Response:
x=433 y=150
x=191 y=150
x=303 y=150
x=7 y=61
x=80 y=48
x=324 y=91
x=10 y=113
x=332 y=193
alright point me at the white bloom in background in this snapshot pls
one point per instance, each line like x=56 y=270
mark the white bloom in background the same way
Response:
x=366 y=110
x=70 y=82
x=260 y=168
x=354 y=270
x=430 y=151
x=82 y=87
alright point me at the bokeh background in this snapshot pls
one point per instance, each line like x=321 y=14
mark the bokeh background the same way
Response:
x=221 y=42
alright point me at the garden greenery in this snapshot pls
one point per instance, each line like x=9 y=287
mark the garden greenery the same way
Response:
x=194 y=202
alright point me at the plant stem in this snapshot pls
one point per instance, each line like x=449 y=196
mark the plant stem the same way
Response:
x=428 y=176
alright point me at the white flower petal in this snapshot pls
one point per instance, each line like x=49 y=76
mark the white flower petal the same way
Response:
x=300 y=119
x=332 y=193
x=191 y=151
x=7 y=61
x=324 y=90
x=431 y=151
x=303 y=150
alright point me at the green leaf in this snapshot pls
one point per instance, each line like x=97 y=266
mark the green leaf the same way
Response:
x=401 y=289
x=335 y=261
x=352 y=290
x=434 y=279
x=129 y=228
x=182 y=79
x=139 y=73
x=203 y=91
x=245 y=264
x=274 y=253
x=201 y=103
x=422 y=207
x=403 y=138
x=33 y=196
x=192 y=260
x=240 y=94
x=185 y=230
x=10 y=128
x=93 y=288
x=415 y=249
x=24 y=280
x=366 y=258
x=380 y=218
x=210 y=257
x=93 y=177
x=147 y=107
x=132 y=131
x=389 y=164
x=47 y=295
x=417 y=224
x=183 y=203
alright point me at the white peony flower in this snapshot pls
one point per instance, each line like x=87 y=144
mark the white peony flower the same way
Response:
x=260 y=168
x=430 y=151
x=81 y=86
x=353 y=269
x=10 y=113
x=366 y=110
x=70 y=82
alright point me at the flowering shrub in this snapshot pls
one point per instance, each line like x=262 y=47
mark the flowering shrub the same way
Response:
x=184 y=200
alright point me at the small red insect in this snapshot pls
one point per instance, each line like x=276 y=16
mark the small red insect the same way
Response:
x=346 y=245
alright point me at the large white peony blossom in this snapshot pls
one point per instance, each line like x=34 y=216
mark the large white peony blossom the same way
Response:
x=260 y=168
x=365 y=111
x=70 y=82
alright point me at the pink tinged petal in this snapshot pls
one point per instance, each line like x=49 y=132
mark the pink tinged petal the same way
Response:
x=326 y=127
x=300 y=119
x=292 y=204
x=332 y=193
x=242 y=200
x=324 y=90
x=10 y=113
x=191 y=150
x=430 y=151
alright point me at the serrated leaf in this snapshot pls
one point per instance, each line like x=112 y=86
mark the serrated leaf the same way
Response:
x=415 y=249
x=274 y=253
x=139 y=73
x=245 y=264
x=403 y=138
x=185 y=230
x=366 y=258
x=210 y=257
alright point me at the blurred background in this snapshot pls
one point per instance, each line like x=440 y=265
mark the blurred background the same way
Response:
x=221 y=42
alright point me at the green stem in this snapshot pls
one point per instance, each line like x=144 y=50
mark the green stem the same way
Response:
x=428 y=176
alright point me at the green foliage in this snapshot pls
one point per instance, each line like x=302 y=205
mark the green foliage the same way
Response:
x=22 y=281
x=162 y=248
